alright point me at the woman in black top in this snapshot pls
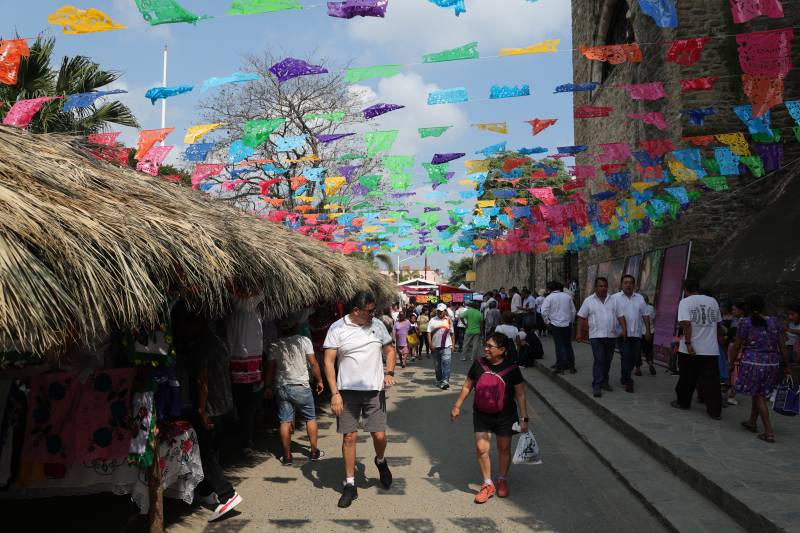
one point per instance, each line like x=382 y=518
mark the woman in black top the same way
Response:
x=514 y=409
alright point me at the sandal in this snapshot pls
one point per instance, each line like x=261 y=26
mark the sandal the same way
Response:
x=767 y=437
x=753 y=428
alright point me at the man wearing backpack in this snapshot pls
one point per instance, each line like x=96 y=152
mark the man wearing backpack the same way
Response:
x=442 y=337
x=499 y=402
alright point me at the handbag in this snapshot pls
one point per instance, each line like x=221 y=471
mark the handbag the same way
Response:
x=787 y=398
x=527 y=452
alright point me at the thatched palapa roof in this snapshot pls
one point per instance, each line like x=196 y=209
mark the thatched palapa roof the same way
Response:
x=83 y=242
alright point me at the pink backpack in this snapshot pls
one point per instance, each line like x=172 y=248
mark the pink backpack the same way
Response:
x=490 y=390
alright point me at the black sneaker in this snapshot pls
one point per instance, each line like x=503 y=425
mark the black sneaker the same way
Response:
x=316 y=454
x=596 y=393
x=349 y=493
x=385 y=473
x=606 y=387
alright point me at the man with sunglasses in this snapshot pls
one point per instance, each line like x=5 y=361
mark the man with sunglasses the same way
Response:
x=358 y=342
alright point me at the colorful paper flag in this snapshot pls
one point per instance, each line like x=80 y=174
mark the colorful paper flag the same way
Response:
x=157 y=12
x=496 y=127
x=435 y=131
x=355 y=75
x=654 y=118
x=197 y=152
x=11 y=54
x=194 y=133
x=257 y=131
x=687 y=52
x=615 y=54
x=448 y=96
x=744 y=10
x=204 y=171
x=457 y=5
x=498 y=92
x=544 y=47
x=764 y=93
x=538 y=126
x=335 y=116
x=82 y=100
x=766 y=53
x=157 y=93
x=576 y=87
x=357 y=8
x=646 y=91
x=380 y=109
x=22 y=112
x=588 y=111
x=236 y=77
x=291 y=68
x=699 y=84
x=380 y=141
x=468 y=51
x=152 y=160
x=251 y=7
x=439 y=159
x=663 y=12
x=697 y=117
x=75 y=21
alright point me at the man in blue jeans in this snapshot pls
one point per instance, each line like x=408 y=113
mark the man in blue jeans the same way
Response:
x=558 y=312
x=634 y=322
x=599 y=312
x=442 y=337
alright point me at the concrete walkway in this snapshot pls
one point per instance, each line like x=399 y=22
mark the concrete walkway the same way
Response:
x=755 y=482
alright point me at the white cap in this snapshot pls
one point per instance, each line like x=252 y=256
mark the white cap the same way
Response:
x=441 y=307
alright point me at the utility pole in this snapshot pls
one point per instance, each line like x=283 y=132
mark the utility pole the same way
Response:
x=164 y=100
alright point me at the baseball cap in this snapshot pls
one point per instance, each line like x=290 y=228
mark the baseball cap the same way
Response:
x=441 y=307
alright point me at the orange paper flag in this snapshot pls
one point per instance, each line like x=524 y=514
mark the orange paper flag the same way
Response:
x=147 y=138
x=616 y=54
x=11 y=53
x=541 y=125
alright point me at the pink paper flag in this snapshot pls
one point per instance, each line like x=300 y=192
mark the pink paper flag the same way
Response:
x=152 y=159
x=583 y=171
x=545 y=194
x=654 y=119
x=646 y=91
x=23 y=111
x=614 y=152
x=107 y=139
x=203 y=171
x=766 y=53
x=744 y=10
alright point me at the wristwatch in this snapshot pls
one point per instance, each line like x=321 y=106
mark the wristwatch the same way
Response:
x=389 y=373
x=524 y=419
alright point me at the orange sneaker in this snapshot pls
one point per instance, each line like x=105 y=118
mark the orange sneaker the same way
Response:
x=486 y=492
x=502 y=488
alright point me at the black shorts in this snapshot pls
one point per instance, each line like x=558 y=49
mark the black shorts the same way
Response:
x=498 y=423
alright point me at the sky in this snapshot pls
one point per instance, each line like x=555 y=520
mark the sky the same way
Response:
x=410 y=29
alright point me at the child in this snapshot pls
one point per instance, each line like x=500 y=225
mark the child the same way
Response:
x=413 y=337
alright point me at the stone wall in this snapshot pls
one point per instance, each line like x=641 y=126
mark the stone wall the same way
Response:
x=495 y=271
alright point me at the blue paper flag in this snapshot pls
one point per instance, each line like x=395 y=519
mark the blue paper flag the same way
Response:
x=157 y=93
x=534 y=150
x=197 y=152
x=697 y=117
x=509 y=91
x=458 y=5
x=679 y=193
x=663 y=12
x=314 y=173
x=572 y=149
x=577 y=87
x=793 y=106
x=238 y=151
x=236 y=77
x=448 y=96
x=504 y=194
x=286 y=144
x=728 y=161
x=81 y=100
x=754 y=124
x=691 y=159
x=621 y=181
x=493 y=149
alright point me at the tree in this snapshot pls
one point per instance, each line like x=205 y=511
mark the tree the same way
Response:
x=458 y=271
x=77 y=74
x=297 y=101
x=379 y=261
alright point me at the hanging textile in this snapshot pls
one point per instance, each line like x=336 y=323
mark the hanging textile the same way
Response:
x=646 y=91
x=256 y=132
x=654 y=118
x=236 y=77
x=544 y=47
x=380 y=109
x=615 y=54
x=538 y=126
x=448 y=96
x=663 y=12
x=251 y=7
x=23 y=111
x=357 y=8
x=687 y=52
x=380 y=141
x=699 y=84
x=75 y=21
x=291 y=68
x=498 y=92
x=157 y=93
x=157 y=12
x=766 y=53
x=468 y=51
x=744 y=10
x=762 y=92
x=11 y=54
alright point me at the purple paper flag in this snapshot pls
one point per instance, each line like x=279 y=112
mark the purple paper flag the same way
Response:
x=380 y=109
x=771 y=155
x=292 y=68
x=326 y=138
x=359 y=190
x=438 y=159
x=447 y=178
x=357 y=8
x=348 y=171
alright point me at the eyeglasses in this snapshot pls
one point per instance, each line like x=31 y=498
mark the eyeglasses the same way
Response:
x=489 y=346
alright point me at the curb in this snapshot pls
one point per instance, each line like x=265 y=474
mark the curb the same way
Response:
x=748 y=518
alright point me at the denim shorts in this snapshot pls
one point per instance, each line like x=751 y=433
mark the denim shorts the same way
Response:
x=295 y=397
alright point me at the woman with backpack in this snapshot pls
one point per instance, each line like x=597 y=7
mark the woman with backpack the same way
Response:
x=499 y=402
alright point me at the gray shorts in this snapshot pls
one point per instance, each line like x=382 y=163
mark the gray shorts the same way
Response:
x=369 y=406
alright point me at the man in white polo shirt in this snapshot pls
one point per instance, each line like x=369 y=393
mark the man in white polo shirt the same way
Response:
x=558 y=311
x=358 y=342
x=600 y=313
x=634 y=322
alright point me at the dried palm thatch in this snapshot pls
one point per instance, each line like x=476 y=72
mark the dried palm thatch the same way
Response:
x=84 y=244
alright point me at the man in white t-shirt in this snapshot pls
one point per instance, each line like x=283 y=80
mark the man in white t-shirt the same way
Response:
x=358 y=342
x=442 y=337
x=698 y=353
x=634 y=324
x=558 y=311
x=599 y=313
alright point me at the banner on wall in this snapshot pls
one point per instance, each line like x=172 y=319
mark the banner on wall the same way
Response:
x=673 y=272
x=632 y=266
x=588 y=288
x=615 y=270
x=650 y=273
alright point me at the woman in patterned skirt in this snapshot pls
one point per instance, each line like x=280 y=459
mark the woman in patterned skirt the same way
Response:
x=761 y=340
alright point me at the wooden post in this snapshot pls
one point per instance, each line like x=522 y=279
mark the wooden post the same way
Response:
x=156 y=490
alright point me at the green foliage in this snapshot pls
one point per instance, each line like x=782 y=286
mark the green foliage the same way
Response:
x=77 y=74
x=458 y=270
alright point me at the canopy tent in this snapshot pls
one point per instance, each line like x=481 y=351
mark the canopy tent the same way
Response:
x=84 y=244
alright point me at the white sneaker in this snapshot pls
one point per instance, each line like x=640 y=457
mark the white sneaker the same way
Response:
x=732 y=401
x=209 y=501
x=224 y=508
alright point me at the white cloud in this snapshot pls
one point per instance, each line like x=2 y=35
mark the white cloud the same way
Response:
x=125 y=12
x=410 y=90
x=419 y=26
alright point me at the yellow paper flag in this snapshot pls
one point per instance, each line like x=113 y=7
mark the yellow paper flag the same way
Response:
x=467 y=182
x=642 y=186
x=736 y=142
x=194 y=133
x=680 y=171
x=333 y=184
x=476 y=165
x=497 y=127
x=485 y=203
x=74 y=21
x=543 y=47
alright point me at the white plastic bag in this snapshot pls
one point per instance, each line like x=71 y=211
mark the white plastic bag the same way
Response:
x=528 y=452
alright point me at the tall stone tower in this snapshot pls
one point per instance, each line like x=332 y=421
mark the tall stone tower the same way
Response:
x=717 y=222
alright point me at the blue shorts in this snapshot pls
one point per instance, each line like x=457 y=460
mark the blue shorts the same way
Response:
x=299 y=397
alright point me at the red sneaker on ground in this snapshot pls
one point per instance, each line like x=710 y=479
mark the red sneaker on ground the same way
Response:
x=486 y=492
x=502 y=488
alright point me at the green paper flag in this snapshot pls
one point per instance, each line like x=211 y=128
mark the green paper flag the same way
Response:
x=379 y=141
x=249 y=7
x=335 y=116
x=355 y=75
x=258 y=131
x=430 y=219
x=157 y=12
x=400 y=182
x=436 y=131
x=370 y=182
x=754 y=163
x=351 y=157
x=437 y=173
x=796 y=131
x=468 y=51
x=397 y=165
x=711 y=165
x=716 y=183
x=772 y=136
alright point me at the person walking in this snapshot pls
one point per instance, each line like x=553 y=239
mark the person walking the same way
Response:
x=763 y=344
x=498 y=403
x=635 y=325
x=647 y=345
x=491 y=318
x=699 y=317
x=558 y=311
x=598 y=314
x=287 y=377
x=422 y=326
x=441 y=337
x=473 y=336
x=413 y=337
x=516 y=306
x=461 y=327
x=400 y=331
x=358 y=342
